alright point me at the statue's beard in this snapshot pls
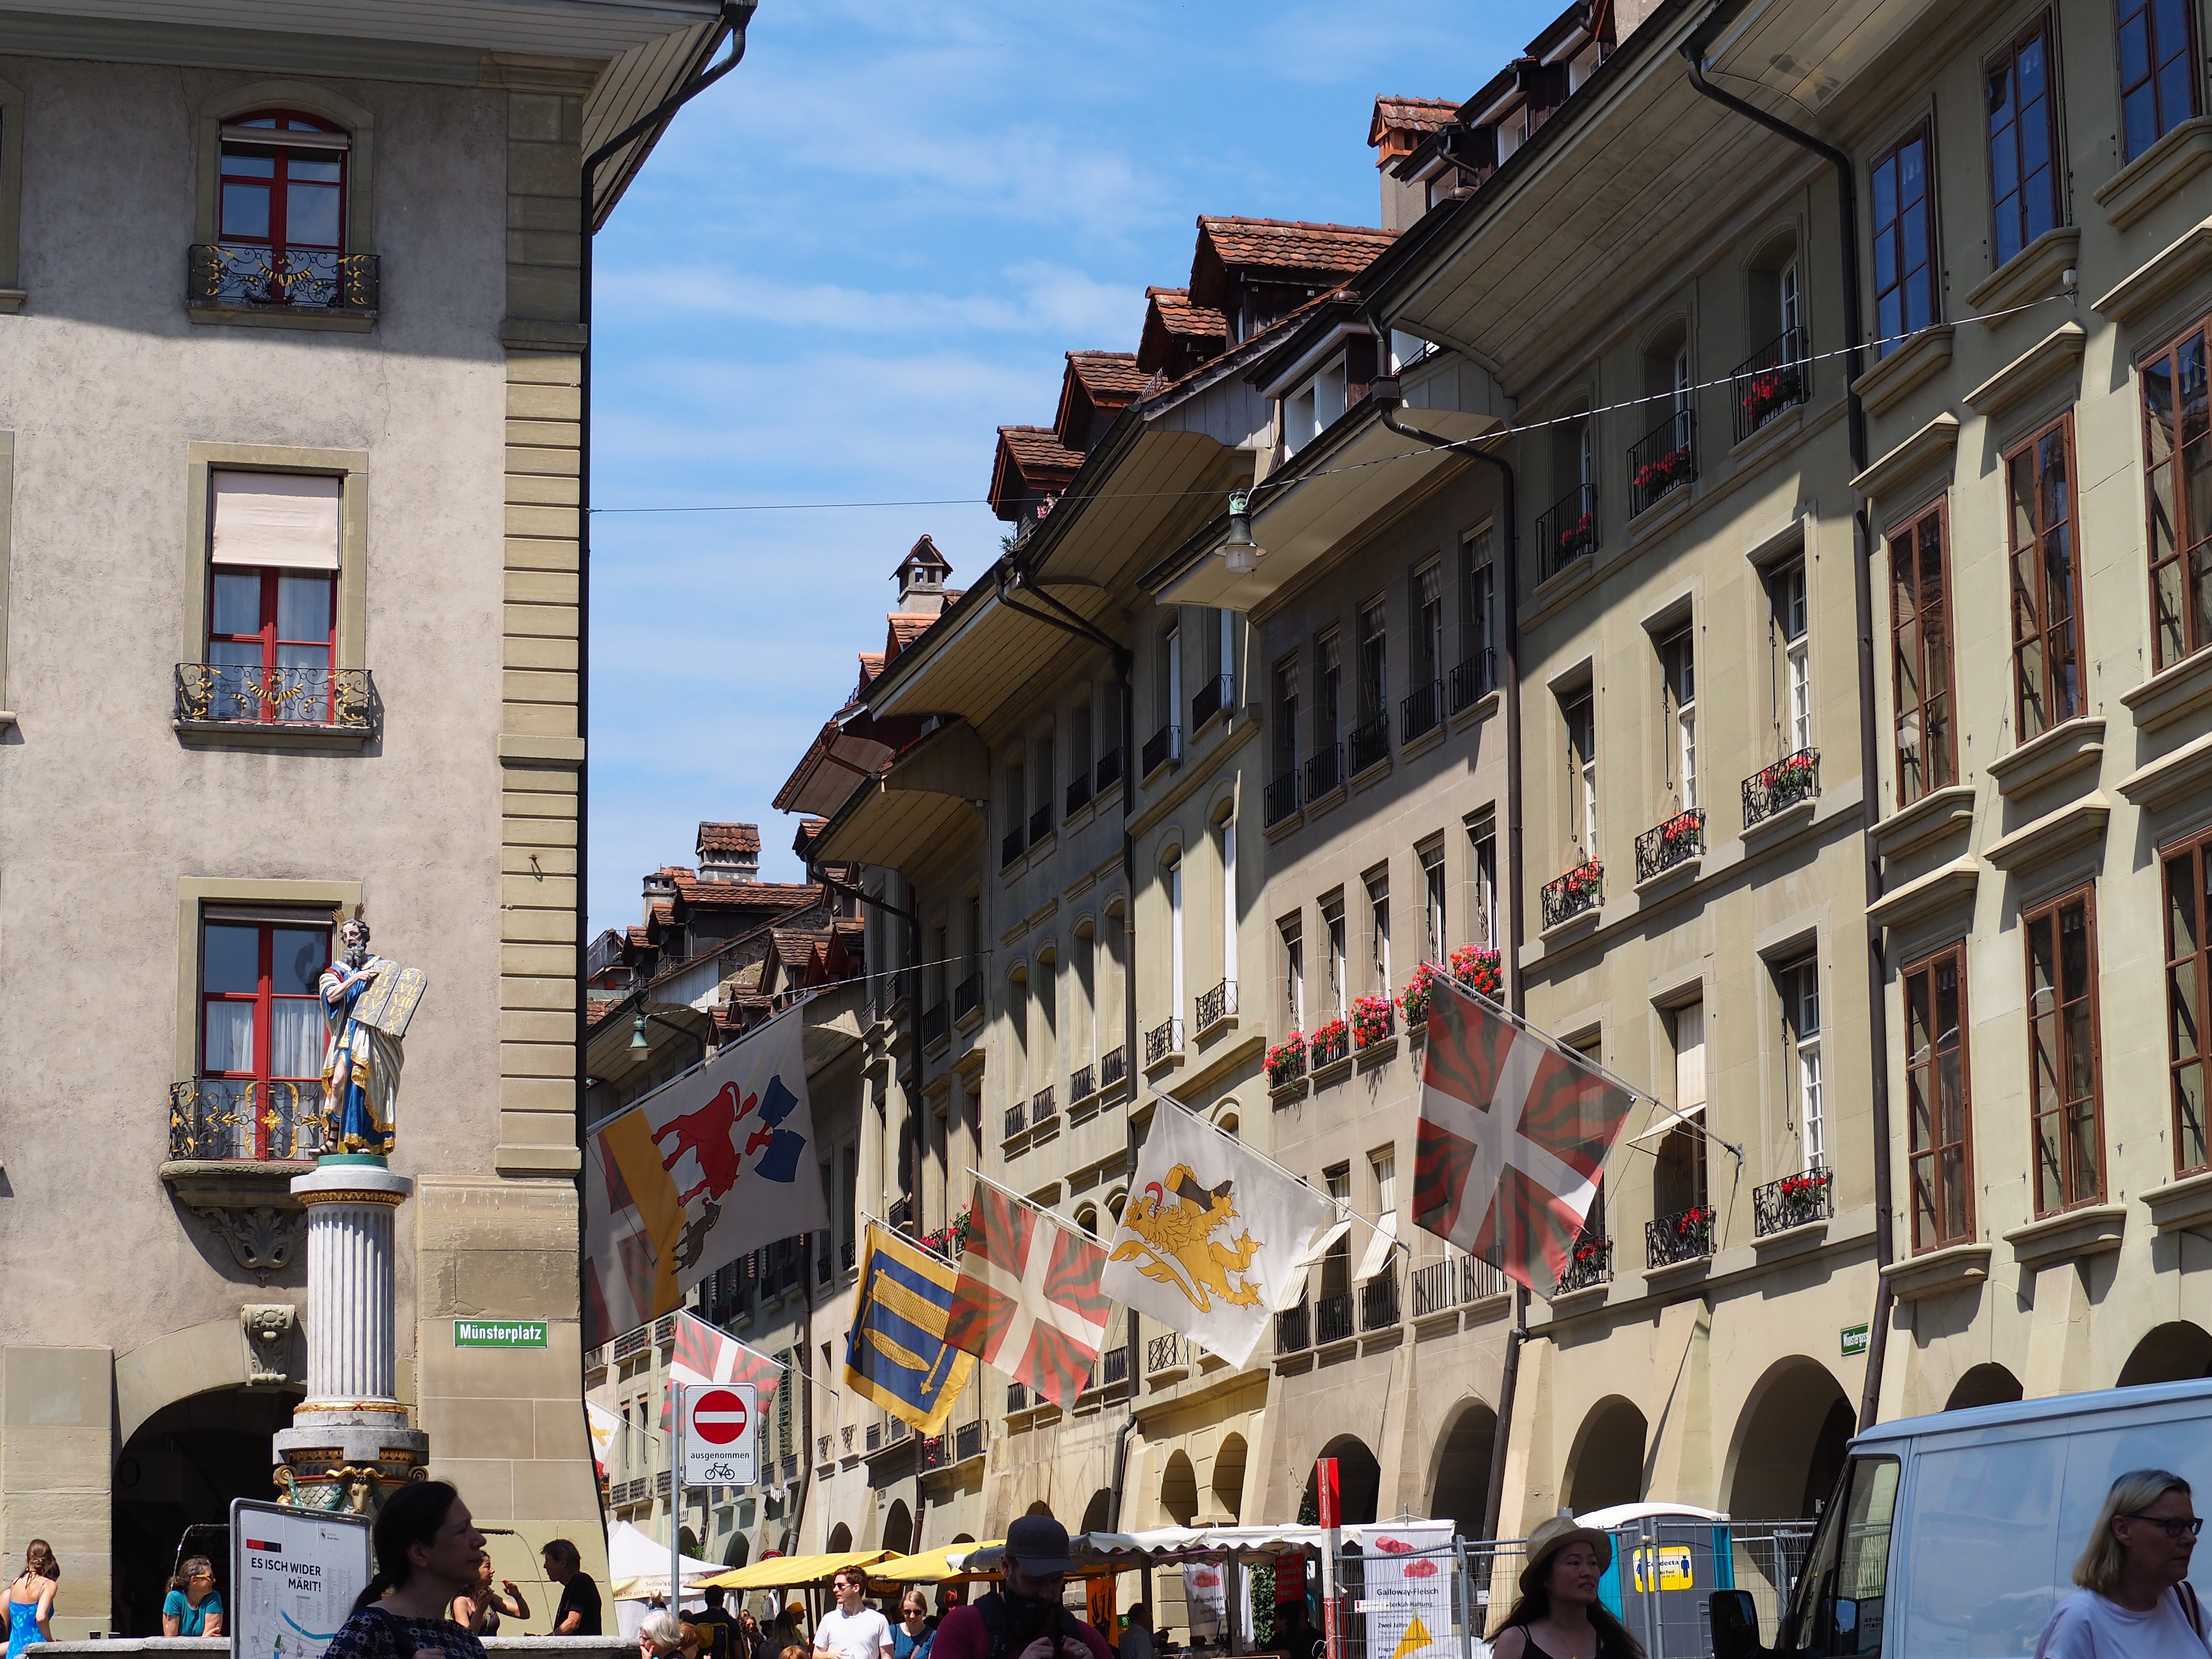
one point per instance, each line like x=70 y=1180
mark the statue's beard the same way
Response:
x=356 y=955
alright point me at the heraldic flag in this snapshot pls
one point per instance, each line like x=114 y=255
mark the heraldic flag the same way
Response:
x=1213 y=1235
x=719 y=1161
x=1512 y=1138
x=897 y=1357
x=704 y=1354
x=1029 y=1300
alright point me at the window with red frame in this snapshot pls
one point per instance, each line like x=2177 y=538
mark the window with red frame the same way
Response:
x=286 y=192
x=2065 y=1094
x=261 y=1015
x=2023 y=114
x=270 y=637
x=1903 y=240
x=2046 y=607
x=2188 y=996
x=1939 y=1112
x=2178 y=491
x=2158 y=71
x=1920 y=628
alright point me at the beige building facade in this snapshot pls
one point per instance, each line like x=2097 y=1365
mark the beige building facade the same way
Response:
x=295 y=646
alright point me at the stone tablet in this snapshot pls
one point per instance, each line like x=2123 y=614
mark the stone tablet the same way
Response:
x=391 y=1001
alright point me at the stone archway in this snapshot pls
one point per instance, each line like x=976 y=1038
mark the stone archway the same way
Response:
x=738 y=1551
x=1984 y=1385
x=1607 y=1465
x=1228 y=1482
x=1098 y=1513
x=2176 y=1353
x=1460 y=1489
x=1179 y=1490
x=1359 y=1480
x=1788 y=1442
x=839 y=1540
x=898 y=1528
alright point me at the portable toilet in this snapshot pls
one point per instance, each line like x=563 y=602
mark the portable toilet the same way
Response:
x=1667 y=1559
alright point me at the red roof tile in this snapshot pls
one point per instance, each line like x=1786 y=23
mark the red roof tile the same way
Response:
x=1409 y=115
x=1110 y=377
x=1293 y=244
x=1031 y=460
x=1178 y=315
x=729 y=838
x=904 y=631
x=747 y=894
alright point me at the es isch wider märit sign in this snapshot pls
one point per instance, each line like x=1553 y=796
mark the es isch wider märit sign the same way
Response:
x=499 y=1332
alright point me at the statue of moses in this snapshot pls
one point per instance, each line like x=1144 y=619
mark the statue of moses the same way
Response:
x=361 y=1066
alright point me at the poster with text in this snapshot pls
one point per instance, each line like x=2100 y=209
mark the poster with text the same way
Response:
x=1407 y=1600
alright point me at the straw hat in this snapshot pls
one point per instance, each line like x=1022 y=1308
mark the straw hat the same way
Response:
x=1554 y=1535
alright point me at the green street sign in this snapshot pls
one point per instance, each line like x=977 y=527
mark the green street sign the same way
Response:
x=1854 y=1339
x=499 y=1332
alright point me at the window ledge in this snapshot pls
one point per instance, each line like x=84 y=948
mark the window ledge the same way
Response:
x=1578 y=573
x=1335 y=1072
x=510 y=1160
x=2157 y=173
x=2048 y=362
x=2177 y=690
x=7 y=719
x=1946 y=885
x=1669 y=1274
x=1226 y=1023
x=1938 y=1273
x=11 y=300
x=2030 y=274
x=1581 y=921
x=2171 y=778
x=1569 y=1302
x=250 y=734
x=2151 y=284
x=1323 y=801
x=970 y=1020
x=2078 y=823
x=1288 y=1095
x=1421 y=745
x=1790 y=1241
x=1906 y=369
x=1374 y=1053
x=1166 y=1063
x=1780 y=826
x=1682 y=873
x=1659 y=518
x=1933 y=445
x=2181 y=1205
x=2069 y=1234
x=1284 y=824
x=1939 y=813
x=1769 y=436
x=1373 y=773
x=2064 y=748
x=327 y=322
x=1478 y=711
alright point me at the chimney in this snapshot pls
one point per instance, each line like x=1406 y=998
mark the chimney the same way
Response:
x=920 y=576
x=729 y=852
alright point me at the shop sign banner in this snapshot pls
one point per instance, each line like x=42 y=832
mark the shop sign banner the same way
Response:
x=1408 y=1599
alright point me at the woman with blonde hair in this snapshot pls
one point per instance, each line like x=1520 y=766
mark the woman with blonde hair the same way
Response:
x=31 y=1598
x=2134 y=1599
x=661 y=1637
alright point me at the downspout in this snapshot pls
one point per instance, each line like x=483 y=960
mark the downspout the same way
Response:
x=1869 y=796
x=1385 y=393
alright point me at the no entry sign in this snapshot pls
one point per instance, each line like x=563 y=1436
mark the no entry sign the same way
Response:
x=717 y=1423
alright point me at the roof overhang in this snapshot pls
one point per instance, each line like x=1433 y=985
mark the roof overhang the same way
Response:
x=1309 y=352
x=922 y=804
x=1804 y=54
x=838 y=761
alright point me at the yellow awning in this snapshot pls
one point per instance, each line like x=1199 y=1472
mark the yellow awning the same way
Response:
x=789 y=1571
x=930 y=1566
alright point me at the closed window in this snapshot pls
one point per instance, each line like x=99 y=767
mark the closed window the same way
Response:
x=2046 y=618
x=1431 y=854
x=1329 y=693
x=1920 y=630
x=1286 y=717
x=1292 y=930
x=1332 y=917
x=1679 y=743
x=2188 y=997
x=284 y=191
x=1428 y=626
x=2178 y=490
x=2061 y=1052
x=1378 y=927
x=1374 y=669
x=1579 y=712
x=2022 y=100
x=1937 y=1102
x=1478 y=606
x=1793 y=668
x=2158 y=70
x=272 y=610
x=1800 y=985
x=261 y=1015
x=1904 y=237
x=1482 y=844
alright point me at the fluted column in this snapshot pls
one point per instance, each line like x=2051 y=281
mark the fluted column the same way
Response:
x=349 y=1333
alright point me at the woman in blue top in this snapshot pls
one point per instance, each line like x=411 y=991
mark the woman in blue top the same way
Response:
x=194 y=1606
x=911 y=1636
x=31 y=1599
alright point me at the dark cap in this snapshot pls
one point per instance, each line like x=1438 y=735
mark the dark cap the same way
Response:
x=1039 y=1543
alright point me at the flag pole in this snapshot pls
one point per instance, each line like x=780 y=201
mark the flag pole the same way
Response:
x=1343 y=1212
x=1053 y=1216
x=883 y=1225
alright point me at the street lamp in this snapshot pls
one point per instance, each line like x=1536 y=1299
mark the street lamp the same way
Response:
x=1241 y=553
x=637 y=1038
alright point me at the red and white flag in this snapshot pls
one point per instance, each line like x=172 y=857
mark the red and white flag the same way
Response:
x=1511 y=1141
x=1028 y=1300
x=704 y=1354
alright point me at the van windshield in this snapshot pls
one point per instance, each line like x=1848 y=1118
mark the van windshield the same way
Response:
x=1838 y=1606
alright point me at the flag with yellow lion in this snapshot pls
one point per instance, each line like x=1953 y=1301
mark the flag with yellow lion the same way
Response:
x=1212 y=1236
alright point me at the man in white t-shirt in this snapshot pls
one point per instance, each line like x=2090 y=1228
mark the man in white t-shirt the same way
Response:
x=854 y=1631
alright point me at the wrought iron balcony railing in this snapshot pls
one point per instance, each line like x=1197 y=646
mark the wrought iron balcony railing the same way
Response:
x=1662 y=846
x=1011 y=847
x=823 y=1270
x=1109 y=769
x=1163 y=1040
x=1324 y=771
x=1040 y=823
x=1794 y=1200
x=1474 y=679
x=299 y=279
x=846 y=1255
x=1017 y=1398
x=1082 y=1084
x=1580 y=889
x=1567 y=531
x=967 y=996
x=1776 y=377
x=1294 y=1329
x=1369 y=742
x=1217 y=1004
x=1378 y=1301
x=1662 y=460
x=1079 y=793
x=247 y=694
x=1283 y=795
x=1017 y=1119
x=1422 y=711
x=936 y=1024
x=1454 y=1282
x=1333 y=1318
x=245 y=1121
x=968 y=1441
x=1778 y=788
x=1589 y=1263
x=1685 y=1236
x=1041 y=1105
x=1164 y=1353
x=1114 y=1366
x=1113 y=1066
x=1212 y=698
x=1163 y=746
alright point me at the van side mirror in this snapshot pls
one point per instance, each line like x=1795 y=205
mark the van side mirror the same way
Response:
x=1734 y=1619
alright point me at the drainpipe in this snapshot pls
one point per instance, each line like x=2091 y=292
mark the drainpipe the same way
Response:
x=1386 y=394
x=1869 y=803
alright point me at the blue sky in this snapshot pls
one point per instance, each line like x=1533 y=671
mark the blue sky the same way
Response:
x=852 y=261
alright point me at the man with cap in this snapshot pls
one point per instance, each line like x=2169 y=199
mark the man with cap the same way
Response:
x=1558 y=1615
x=1023 y=1619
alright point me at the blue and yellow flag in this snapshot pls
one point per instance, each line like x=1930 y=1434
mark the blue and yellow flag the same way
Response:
x=897 y=1357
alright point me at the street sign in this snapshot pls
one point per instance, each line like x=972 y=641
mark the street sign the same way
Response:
x=1854 y=1339
x=294 y=1575
x=499 y=1332
x=717 y=1426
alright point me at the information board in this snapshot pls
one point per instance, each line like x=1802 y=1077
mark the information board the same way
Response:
x=294 y=1575
x=718 y=1424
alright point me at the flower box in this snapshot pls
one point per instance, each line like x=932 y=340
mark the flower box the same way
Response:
x=1480 y=969
x=1371 y=1021
x=1329 y=1043
x=1285 y=1063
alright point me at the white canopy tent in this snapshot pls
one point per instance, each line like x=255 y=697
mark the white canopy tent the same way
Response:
x=637 y=1564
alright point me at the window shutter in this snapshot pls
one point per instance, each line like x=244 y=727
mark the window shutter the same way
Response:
x=280 y=518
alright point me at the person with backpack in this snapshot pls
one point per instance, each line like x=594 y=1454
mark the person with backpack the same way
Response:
x=1022 y=1618
x=2135 y=1601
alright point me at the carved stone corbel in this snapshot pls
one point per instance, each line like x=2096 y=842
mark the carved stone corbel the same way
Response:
x=269 y=1327
x=263 y=1238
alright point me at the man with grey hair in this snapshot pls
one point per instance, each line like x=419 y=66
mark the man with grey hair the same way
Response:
x=361 y=1066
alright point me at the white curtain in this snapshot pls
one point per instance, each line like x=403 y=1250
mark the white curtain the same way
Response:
x=230 y=1037
x=297 y=1037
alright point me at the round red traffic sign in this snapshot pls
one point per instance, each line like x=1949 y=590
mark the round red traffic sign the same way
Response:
x=719 y=1417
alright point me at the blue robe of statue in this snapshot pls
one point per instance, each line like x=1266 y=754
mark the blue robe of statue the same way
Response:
x=361 y=1066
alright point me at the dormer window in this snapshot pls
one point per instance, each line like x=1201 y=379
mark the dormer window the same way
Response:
x=1512 y=131
x=1313 y=408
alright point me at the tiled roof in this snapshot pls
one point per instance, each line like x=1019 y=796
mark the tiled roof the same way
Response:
x=872 y=664
x=747 y=894
x=1410 y=115
x=1110 y=377
x=664 y=912
x=729 y=838
x=1292 y=245
x=1178 y=316
x=638 y=937
x=904 y=631
x=1260 y=343
x=1039 y=452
